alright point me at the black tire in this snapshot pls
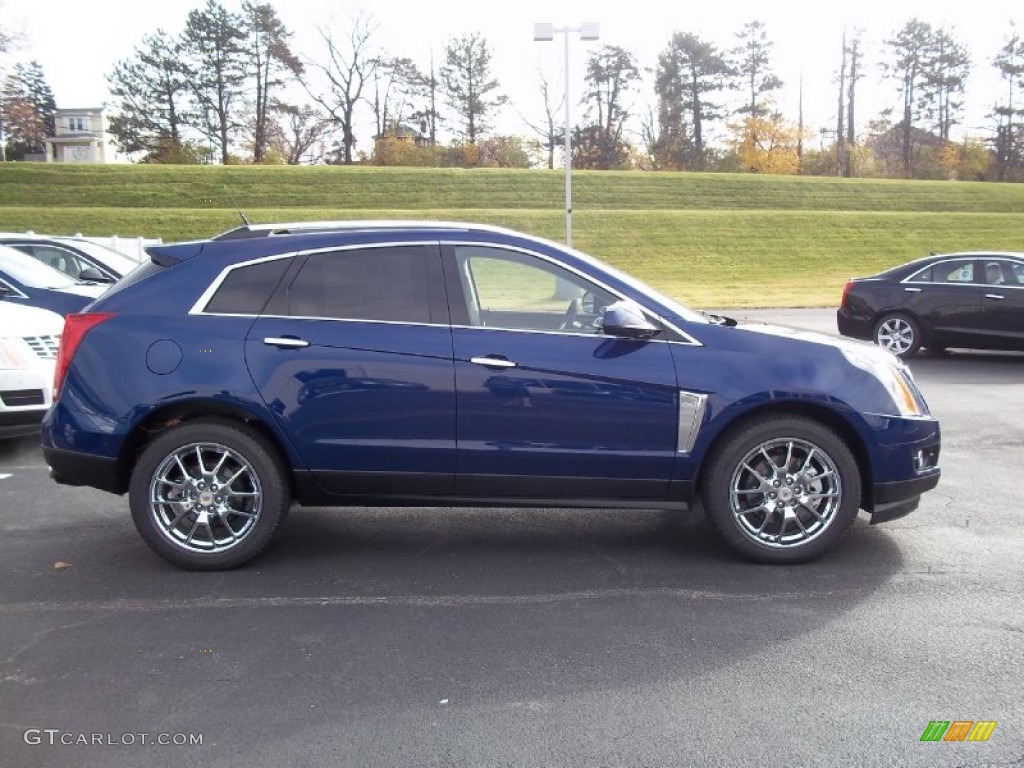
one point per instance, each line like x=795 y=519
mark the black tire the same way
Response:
x=227 y=520
x=790 y=506
x=898 y=333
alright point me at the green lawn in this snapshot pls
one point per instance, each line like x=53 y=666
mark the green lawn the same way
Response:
x=717 y=240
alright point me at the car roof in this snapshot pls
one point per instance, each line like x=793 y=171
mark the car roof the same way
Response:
x=356 y=225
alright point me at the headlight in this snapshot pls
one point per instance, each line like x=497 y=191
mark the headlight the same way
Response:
x=10 y=355
x=891 y=374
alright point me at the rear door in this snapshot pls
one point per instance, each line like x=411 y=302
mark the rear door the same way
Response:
x=353 y=355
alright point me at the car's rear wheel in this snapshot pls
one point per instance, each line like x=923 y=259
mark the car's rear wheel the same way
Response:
x=782 y=489
x=208 y=495
x=899 y=334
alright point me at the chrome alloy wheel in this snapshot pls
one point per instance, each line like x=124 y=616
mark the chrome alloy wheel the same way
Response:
x=785 y=492
x=896 y=335
x=205 y=497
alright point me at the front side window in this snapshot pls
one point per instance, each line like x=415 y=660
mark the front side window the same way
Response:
x=1018 y=272
x=517 y=291
x=383 y=284
x=994 y=273
x=61 y=259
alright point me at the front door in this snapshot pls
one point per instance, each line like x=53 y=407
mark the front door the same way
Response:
x=548 y=405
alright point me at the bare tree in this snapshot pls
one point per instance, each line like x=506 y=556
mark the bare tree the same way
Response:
x=396 y=83
x=349 y=66
x=299 y=134
x=550 y=131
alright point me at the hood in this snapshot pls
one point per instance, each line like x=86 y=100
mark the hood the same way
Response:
x=852 y=349
x=90 y=290
x=19 y=320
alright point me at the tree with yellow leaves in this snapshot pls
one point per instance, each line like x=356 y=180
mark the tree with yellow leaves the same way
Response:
x=766 y=144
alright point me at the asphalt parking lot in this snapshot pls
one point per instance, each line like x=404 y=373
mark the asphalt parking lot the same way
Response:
x=478 y=638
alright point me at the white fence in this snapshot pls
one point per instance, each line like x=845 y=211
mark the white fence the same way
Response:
x=132 y=247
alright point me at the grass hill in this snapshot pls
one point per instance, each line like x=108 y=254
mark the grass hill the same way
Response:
x=714 y=240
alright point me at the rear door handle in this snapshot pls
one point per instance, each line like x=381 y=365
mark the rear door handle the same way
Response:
x=286 y=342
x=492 y=362
x=995 y=296
x=912 y=290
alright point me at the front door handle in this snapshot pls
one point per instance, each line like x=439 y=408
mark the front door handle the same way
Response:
x=286 y=342
x=492 y=362
x=912 y=290
x=995 y=296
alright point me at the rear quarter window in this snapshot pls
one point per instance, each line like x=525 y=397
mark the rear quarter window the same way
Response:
x=246 y=290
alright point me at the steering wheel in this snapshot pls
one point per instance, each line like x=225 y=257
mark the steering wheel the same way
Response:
x=572 y=313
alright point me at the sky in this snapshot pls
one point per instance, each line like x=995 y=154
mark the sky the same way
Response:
x=78 y=42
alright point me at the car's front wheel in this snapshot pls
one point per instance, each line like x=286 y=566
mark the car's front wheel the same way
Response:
x=899 y=334
x=782 y=489
x=208 y=495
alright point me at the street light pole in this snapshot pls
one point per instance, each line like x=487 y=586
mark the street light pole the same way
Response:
x=546 y=32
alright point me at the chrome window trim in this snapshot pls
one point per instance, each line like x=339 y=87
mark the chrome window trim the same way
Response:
x=14 y=291
x=692 y=406
x=909 y=279
x=199 y=307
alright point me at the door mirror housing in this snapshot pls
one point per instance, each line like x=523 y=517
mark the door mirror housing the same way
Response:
x=93 y=275
x=627 y=319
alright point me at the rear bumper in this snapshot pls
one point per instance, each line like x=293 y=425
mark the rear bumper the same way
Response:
x=854 y=326
x=73 y=468
x=20 y=423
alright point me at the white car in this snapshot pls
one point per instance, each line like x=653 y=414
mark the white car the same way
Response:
x=76 y=257
x=29 y=338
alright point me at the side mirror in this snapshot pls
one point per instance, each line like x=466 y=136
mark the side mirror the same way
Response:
x=93 y=275
x=626 y=319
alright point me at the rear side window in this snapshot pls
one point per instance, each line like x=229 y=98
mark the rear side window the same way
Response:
x=959 y=271
x=390 y=284
x=246 y=290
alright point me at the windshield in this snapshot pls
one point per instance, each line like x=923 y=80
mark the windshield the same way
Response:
x=29 y=272
x=115 y=260
x=677 y=309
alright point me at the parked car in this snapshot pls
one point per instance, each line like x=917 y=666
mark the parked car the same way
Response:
x=29 y=338
x=23 y=280
x=456 y=364
x=78 y=258
x=966 y=300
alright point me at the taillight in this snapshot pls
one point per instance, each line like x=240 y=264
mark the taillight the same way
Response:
x=75 y=328
x=846 y=290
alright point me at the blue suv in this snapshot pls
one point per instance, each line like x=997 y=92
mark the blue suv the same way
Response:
x=436 y=364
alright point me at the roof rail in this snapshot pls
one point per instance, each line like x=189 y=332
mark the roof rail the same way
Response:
x=381 y=225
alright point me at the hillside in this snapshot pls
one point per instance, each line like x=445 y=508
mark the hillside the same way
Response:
x=709 y=239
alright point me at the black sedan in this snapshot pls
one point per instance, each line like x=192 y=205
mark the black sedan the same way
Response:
x=965 y=300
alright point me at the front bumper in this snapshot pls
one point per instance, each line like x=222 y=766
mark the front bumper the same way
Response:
x=895 y=500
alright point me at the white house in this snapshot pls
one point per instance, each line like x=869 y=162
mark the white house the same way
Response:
x=82 y=136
